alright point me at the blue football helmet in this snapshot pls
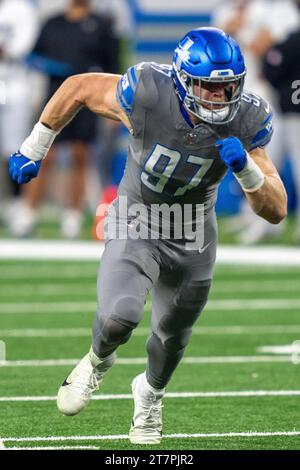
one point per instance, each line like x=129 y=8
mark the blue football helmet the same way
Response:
x=203 y=57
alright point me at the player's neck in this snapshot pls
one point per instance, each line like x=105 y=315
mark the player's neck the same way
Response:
x=194 y=119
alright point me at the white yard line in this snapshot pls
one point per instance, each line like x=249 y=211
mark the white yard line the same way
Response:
x=79 y=288
x=88 y=307
x=143 y=360
x=48 y=307
x=241 y=286
x=35 y=289
x=92 y=251
x=166 y=436
x=229 y=394
x=145 y=331
x=44 y=272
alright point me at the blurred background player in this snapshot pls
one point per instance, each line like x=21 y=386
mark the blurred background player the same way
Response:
x=283 y=72
x=74 y=42
x=257 y=25
x=18 y=31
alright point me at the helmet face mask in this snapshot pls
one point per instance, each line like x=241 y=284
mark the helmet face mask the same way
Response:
x=205 y=59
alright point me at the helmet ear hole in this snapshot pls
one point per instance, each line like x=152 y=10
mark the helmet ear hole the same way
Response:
x=183 y=76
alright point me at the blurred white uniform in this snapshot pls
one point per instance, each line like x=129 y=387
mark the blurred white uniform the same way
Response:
x=18 y=31
x=120 y=11
x=280 y=18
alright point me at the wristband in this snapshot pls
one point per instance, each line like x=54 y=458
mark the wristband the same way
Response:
x=38 y=144
x=251 y=177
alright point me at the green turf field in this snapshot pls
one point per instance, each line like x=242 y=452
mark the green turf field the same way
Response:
x=46 y=313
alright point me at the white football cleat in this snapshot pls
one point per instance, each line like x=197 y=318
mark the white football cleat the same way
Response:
x=146 y=425
x=76 y=391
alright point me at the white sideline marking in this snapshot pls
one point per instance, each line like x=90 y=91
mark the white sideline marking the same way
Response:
x=51 y=250
x=90 y=251
x=2 y=446
x=244 y=393
x=88 y=307
x=166 y=436
x=143 y=360
x=144 y=331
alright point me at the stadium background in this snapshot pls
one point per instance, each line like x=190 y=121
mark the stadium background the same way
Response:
x=238 y=387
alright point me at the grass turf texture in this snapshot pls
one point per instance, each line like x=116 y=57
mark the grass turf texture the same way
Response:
x=31 y=283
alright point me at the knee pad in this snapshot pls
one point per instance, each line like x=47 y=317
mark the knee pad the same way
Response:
x=127 y=309
x=113 y=332
x=193 y=296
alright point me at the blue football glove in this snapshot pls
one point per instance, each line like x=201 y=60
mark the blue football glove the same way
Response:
x=232 y=152
x=22 y=169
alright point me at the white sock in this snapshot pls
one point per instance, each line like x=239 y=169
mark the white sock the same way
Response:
x=106 y=362
x=156 y=391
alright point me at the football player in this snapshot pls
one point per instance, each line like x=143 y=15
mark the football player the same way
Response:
x=189 y=124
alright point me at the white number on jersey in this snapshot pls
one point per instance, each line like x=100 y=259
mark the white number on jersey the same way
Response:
x=173 y=159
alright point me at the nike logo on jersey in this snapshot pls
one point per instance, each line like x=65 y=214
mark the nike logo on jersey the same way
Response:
x=267 y=107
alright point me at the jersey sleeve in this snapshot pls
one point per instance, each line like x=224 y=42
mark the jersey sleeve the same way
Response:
x=127 y=89
x=136 y=92
x=259 y=122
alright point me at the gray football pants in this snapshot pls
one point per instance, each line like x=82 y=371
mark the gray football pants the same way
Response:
x=180 y=281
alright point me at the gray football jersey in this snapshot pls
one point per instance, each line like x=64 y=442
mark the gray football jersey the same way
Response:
x=169 y=161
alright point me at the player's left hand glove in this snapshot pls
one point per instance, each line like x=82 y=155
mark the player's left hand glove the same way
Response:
x=22 y=169
x=232 y=152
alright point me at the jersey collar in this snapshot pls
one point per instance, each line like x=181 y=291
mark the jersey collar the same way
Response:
x=185 y=115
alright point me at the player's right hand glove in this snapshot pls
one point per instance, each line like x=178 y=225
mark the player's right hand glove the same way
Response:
x=22 y=169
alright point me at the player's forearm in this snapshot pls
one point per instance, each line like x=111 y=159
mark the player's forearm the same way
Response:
x=63 y=105
x=270 y=200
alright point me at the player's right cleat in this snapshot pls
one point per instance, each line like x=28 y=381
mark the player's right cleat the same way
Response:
x=146 y=425
x=76 y=391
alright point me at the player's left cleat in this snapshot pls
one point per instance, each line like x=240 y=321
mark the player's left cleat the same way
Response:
x=146 y=425
x=76 y=391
